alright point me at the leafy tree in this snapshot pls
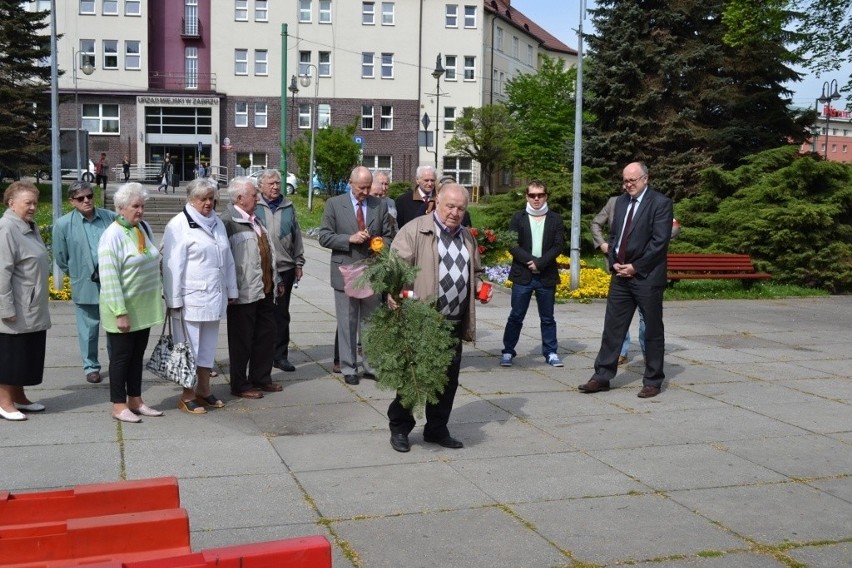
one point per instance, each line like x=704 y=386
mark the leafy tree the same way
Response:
x=542 y=105
x=335 y=154
x=24 y=88
x=791 y=213
x=679 y=99
x=484 y=134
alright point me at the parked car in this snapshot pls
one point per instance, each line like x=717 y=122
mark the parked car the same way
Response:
x=292 y=182
x=320 y=187
x=69 y=174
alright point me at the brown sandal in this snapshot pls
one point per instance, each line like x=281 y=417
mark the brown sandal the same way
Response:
x=209 y=400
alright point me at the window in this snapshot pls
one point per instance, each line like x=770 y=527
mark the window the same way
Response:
x=87 y=6
x=368 y=13
x=191 y=67
x=241 y=10
x=241 y=114
x=449 y=119
x=110 y=8
x=261 y=62
x=450 y=63
x=387 y=118
x=387 y=13
x=241 y=62
x=324 y=64
x=305 y=11
x=110 y=53
x=132 y=55
x=100 y=118
x=323 y=115
x=304 y=115
x=501 y=84
x=366 y=117
x=260 y=115
x=470 y=16
x=304 y=63
x=529 y=54
x=325 y=11
x=261 y=11
x=515 y=43
x=374 y=163
x=459 y=168
x=498 y=39
x=451 y=18
x=469 y=68
x=132 y=7
x=190 y=18
x=87 y=52
x=844 y=148
x=367 y=65
x=387 y=66
x=42 y=6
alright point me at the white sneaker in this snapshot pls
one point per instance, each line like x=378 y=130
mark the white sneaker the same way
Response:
x=554 y=361
x=506 y=360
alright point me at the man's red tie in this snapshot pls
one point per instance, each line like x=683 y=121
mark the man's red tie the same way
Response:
x=359 y=217
x=622 y=247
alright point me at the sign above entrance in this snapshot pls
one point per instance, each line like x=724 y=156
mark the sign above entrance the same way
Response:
x=178 y=101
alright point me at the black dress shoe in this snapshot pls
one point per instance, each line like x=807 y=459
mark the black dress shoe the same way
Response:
x=399 y=442
x=593 y=386
x=370 y=376
x=448 y=442
x=351 y=379
x=284 y=365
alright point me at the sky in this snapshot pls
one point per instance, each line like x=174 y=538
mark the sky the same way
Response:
x=561 y=19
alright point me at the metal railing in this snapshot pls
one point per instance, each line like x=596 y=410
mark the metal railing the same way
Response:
x=190 y=27
x=173 y=81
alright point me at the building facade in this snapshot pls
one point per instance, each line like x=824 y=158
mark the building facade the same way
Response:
x=832 y=135
x=207 y=81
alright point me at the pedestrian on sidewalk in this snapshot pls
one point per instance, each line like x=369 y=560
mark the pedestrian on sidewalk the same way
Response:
x=166 y=171
x=24 y=312
x=102 y=172
x=541 y=235
x=75 y=249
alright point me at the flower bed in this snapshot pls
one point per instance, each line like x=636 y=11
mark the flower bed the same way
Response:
x=594 y=282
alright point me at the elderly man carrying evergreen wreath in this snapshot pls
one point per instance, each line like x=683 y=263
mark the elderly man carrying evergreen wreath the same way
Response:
x=450 y=273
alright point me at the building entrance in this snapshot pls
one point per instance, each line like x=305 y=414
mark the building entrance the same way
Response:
x=183 y=157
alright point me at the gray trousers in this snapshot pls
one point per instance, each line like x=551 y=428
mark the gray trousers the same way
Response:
x=351 y=315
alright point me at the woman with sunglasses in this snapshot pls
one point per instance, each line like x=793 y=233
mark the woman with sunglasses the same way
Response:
x=75 y=248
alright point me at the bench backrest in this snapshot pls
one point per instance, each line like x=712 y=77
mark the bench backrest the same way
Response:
x=710 y=262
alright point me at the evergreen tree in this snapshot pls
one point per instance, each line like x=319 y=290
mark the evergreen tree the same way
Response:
x=24 y=88
x=666 y=90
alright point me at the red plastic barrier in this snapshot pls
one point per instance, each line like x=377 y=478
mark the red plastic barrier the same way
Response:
x=89 y=501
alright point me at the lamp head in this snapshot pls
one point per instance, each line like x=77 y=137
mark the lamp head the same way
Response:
x=439 y=69
x=305 y=81
x=294 y=87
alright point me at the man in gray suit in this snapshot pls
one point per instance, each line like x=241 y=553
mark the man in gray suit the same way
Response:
x=349 y=221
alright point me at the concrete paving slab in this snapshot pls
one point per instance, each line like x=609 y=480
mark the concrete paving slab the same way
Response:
x=753 y=395
x=607 y=530
x=502 y=380
x=427 y=541
x=554 y=405
x=838 y=389
x=807 y=456
x=775 y=513
x=617 y=431
x=738 y=559
x=690 y=466
x=840 y=487
x=776 y=370
x=822 y=416
x=50 y=427
x=826 y=556
x=715 y=425
x=318 y=419
x=57 y=465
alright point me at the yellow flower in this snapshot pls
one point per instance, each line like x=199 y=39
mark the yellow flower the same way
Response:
x=64 y=293
x=377 y=244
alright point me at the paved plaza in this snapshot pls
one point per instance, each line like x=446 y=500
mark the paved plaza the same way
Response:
x=744 y=460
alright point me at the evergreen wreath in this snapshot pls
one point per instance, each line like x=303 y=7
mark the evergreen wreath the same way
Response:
x=410 y=347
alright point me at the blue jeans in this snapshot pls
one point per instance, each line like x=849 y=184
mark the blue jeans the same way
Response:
x=545 y=298
x=625 y=347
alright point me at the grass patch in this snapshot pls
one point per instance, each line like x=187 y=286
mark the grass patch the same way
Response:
x=735 y=290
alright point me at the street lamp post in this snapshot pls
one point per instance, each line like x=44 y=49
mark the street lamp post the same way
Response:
x=829 y=93
x=305 y=81
x=437 y=74
x=87 y=69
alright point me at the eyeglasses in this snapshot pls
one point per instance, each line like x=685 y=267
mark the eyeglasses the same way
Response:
x=628 y=181
x=82 y=198
x=536 y=195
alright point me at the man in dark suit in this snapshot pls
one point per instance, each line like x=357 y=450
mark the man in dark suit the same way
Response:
x=540 y=240
x=638 y=243
x=349 y=221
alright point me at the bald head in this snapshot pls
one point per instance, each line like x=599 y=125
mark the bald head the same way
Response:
x=360 y=181
x=451 y=205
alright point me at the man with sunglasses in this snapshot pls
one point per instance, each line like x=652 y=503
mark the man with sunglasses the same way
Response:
x=541 y=235
x=638 y=243
x=75 y=249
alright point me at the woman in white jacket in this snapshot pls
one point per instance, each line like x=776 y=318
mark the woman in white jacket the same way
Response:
x=199 y=280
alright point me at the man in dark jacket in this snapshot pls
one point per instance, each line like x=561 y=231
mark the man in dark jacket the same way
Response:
x=540 y=240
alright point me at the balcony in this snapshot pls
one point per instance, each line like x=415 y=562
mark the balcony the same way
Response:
x=190 y=28
x=170 y=81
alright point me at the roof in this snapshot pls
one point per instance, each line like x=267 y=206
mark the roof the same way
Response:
x=503 y=9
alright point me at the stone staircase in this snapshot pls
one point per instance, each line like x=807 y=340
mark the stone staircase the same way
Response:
x=161 y=207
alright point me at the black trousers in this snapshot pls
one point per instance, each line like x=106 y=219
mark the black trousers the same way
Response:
x=126 y=363
x=625 y=295
x=437 y=415
x=251 y=339
x=282 y=315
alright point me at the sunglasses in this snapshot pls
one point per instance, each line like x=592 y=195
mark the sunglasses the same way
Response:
x=82 y=198
x=536 y=195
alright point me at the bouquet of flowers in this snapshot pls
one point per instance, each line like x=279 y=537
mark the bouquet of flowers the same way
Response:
x=493 y=243
x=410 y=346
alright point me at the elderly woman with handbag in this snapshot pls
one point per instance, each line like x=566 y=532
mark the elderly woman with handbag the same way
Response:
x=131 y=300
x=24 y=316
x=200 y=280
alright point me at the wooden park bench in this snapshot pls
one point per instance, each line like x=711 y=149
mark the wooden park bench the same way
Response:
x=712 y=267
